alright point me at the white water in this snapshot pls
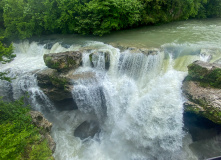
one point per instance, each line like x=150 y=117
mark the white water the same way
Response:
x=137 y=102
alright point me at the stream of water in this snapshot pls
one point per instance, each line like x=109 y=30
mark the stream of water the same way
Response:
x=137 y=102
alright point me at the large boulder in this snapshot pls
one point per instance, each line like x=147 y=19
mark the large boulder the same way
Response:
x=202 y=89
x=63 y=61
x=45 y=128
x=56 y=86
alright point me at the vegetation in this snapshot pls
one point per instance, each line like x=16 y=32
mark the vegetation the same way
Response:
x=19 y=139
x=25 y=18
x=206 y=77
x=6 y=55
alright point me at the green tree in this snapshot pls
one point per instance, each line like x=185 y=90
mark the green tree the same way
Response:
x=100 y=17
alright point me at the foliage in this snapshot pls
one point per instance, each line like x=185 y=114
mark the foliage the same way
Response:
x=6 y=55
x=25 y=18
x=100 y=17
x=19 y=139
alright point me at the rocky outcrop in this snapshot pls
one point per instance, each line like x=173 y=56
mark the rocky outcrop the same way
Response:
x=63 y=61
x=202 y=89
x=205 y=73
x=56 y=86
x=87 y=129
x=45 y=128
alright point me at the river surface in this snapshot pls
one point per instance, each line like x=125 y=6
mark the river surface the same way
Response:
x=137 y=103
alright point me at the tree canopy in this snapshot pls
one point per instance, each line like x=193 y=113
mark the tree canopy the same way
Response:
x=25 y=18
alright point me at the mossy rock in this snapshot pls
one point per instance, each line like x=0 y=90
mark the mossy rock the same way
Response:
x=203 y=101
x=205 y=73
x=63 y=61
x=56 y=86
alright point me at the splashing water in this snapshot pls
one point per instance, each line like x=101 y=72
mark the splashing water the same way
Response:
x=137 y=101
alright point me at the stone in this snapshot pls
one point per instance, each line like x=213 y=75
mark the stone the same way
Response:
x=202 y=89
x=45 y=128
x=87 y=129
x=63 y=61
x=203 y=101
x=94 y=57
x=146 y=51
x=39 y=121
x=58 y=86
x=54 y=85
x=206 y=73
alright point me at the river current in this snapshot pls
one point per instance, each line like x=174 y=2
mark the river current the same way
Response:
x=137 y=102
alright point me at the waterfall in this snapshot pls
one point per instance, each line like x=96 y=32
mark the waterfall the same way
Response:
x=135 y=98
x=139 y=106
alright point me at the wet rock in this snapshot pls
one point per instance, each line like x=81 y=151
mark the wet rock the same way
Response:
x=146 y=51
x=153 y=51
x=94 y=58
x=45 y=128
x=206 y=73
x=87 y=129
x=58 y=86
x=202 y=89
x=63 y=61
x=54 y=85
x=6 y=91
x=66 y=105
x=49 y=45
x=119 y=46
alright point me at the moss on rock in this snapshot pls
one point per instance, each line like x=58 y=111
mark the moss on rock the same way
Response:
x=63 y=61
x=202 y=89
x=205 y=73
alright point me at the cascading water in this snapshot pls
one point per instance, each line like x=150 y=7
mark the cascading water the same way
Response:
x=136 y=99
x=132 y=101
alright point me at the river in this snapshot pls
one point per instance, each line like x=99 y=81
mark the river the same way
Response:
x=137 y=103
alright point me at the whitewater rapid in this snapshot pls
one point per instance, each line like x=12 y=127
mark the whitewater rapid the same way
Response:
x=137 y=102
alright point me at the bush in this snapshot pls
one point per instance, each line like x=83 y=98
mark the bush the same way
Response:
x=19 y=138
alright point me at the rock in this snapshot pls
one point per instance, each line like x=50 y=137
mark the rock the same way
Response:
x=39 y=120
x=202 y=89
x=146 y=51
x=45 y=128
x=153 y=51
x=56 y=86
x=203 y=101
x=63 y=61
x=95 y=58
x=87 y=129
x=206 y=73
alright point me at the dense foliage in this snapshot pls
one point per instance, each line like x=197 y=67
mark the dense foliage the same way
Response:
x=19 y=139
x=25 y=18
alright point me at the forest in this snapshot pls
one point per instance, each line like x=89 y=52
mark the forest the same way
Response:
x=25 y=18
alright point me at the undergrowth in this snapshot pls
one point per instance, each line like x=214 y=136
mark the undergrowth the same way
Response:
x=19 y=138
